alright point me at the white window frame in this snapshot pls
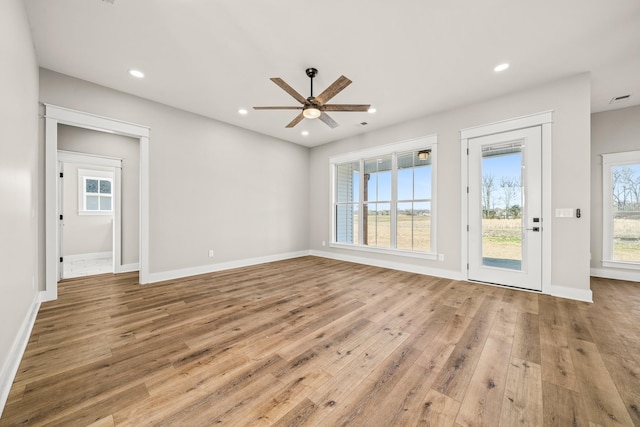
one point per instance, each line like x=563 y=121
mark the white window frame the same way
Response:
x=83 y=175
x=429 y=142
x=609 y=161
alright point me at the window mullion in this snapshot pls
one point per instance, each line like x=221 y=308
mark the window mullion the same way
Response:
x=361 y=218
x=394 y=197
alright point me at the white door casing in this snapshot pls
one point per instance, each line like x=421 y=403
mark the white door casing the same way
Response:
x=55 y=115
x=544 y=120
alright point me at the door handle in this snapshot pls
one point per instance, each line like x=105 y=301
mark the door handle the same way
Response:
x=537 y=229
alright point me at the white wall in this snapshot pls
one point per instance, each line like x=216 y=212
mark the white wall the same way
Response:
x=613 y=131
x=212 y=185
x=105 y=144
x=18 y=182
x=82 y=234
x=570 y=101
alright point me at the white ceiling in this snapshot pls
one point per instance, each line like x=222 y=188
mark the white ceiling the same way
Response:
x=406 y=58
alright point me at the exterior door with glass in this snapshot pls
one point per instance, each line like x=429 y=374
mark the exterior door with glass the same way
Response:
x=505 y=207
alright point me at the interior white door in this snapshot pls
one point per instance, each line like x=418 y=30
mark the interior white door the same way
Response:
x=505 y=208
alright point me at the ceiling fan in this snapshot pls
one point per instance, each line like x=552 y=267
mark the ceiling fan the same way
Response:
x=316 y=107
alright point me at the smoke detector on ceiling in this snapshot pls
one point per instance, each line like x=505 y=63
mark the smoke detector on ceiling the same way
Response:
x=621 y=98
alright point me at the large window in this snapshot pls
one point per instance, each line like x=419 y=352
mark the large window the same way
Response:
x=621 y=210
x=383 y=198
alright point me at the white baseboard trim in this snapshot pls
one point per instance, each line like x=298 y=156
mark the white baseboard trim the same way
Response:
x=410 y=268
x=616 y=274
x=557 y=291
x=10 y=368
x=93 y=255
x=570 y=293
x=204 y=269
x=126 y=268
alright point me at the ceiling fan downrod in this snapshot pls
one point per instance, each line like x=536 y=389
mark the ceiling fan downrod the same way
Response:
x=311 y=73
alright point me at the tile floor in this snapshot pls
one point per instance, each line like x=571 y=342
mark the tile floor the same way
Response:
x=87 y=267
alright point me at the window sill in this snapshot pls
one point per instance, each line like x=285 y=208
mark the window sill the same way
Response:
x=394 y=252
x=621 y=264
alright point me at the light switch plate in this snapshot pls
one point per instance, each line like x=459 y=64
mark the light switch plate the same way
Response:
x=564 y=213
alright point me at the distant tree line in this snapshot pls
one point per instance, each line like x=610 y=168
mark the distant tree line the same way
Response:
x=501 y=198
x=626 y=189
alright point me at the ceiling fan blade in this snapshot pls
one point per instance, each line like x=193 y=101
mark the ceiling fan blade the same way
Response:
x=328 y=120
x=333 y=90
x=277 y=108
x=346 y=107
x=291 y=91
x=295 y=121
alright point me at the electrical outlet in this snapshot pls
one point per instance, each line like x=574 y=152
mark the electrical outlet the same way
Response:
x=210 y=253
x=440 y=257
x=324 y=243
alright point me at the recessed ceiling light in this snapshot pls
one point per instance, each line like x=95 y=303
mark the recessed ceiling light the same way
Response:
x=501 y=67
x=136 y=73
x=243 y=111
x=305 y=133
x=371 y=110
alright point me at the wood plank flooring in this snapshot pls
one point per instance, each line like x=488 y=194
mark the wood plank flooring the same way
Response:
x=317 y=342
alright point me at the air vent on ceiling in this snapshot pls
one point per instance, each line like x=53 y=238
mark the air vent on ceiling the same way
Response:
x=364 y=123
x=109 y=1
x=620 y=98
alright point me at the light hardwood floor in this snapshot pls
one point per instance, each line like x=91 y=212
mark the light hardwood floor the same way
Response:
x=312 y=341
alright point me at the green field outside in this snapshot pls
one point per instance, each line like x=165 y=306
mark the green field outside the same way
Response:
x=626 y=241
x=501 y=237
x=414 y=232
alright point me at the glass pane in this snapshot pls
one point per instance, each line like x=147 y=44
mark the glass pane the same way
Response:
x=626 y=213
x=422 y=226
x=105 y=203
x=626 y=236
x=404 y=227
x=105 y=187
x=91 y=185
x=369 y=225
x=370 y=181
x=347 y=180
x=346 y=224
x=378 y=179
x=92 y=203
x=422 y=184
x=502 y=226
x=383 y=225
x=384 y=186
x=405 y=160
x=379 y=225
x=405 y=184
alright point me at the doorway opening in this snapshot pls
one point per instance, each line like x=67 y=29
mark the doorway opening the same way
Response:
x=54 y=116
x=89 y=214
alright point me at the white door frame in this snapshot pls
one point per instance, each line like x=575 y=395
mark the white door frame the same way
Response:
x=115 y=164
x=55 y=115
x=529 y=275
x=543 y=119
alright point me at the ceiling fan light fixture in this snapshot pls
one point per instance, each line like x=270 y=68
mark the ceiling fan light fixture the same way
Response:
x=311 y=113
